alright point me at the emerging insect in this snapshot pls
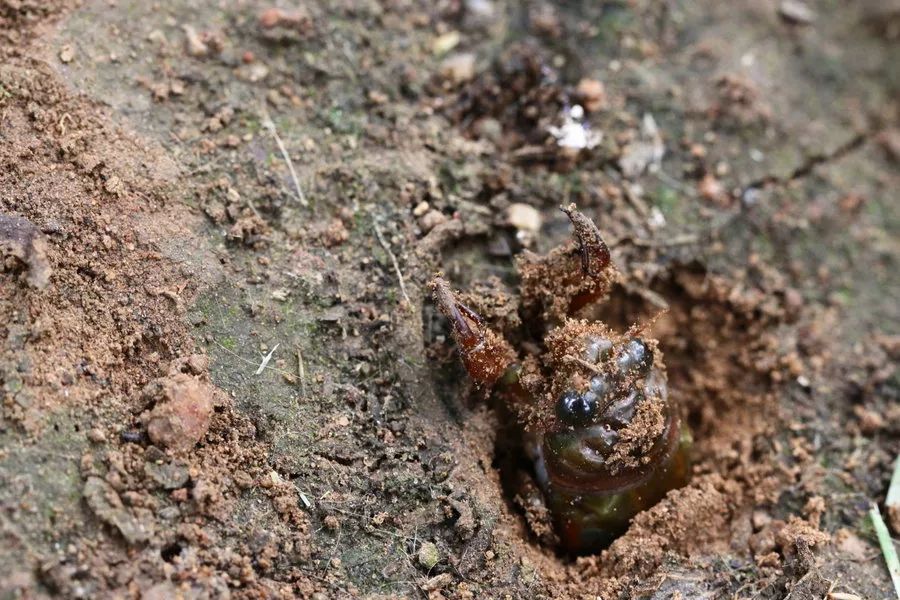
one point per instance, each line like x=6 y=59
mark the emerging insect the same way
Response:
x=606 y=439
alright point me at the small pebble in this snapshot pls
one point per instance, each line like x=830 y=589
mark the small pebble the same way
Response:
x=592 y=94
x=458 y=68
x=421 y=208
x=445 y=43
x=523 y=217
x=796 y=12
x=96 y=435
x=432 y=219
x=66 y=54
x=428 y=555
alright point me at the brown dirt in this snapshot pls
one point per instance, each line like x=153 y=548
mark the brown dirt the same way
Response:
x=156 y=246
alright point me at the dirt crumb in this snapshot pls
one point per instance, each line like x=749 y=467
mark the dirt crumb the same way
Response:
x=181 y=415
x=135 y=525
x=22 y=241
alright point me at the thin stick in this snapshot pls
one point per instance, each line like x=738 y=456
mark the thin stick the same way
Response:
x=248 y=361
x=301 y=372
x=887 y=546
x=266 y=359
x=583 y=363
x=678 y=240
x=393 y=260
x=270 y=125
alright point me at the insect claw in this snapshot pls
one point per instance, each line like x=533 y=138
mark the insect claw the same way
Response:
x=595 y=255
x=485 y=354
x=466 y=335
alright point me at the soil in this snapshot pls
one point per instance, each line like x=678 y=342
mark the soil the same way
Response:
x=222 y=374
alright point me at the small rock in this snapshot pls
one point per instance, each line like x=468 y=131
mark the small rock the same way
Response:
x=195 y=364
x=796 y=12
x=96 y=435
x=253 y=72
x=869 y=421
x=107 y=506
x=479 y=13
x=458 y=68
x=378 y=97
x=157 y=37
x=523 y=217
x=428 y=555
x=269 y=18
x=273 y=17
x=444 y=43
x=438 y=582
x=335 y=234
x=183 y=411
x=193 y=44
x=22 y=241
x=169 y=513
x=114 y=185
x=66 y=54
x=592 y=94
x=712 y=190
x=432 y=219
x=421 y=208
x=489 y=129
x=760 y=519
x=170 y=476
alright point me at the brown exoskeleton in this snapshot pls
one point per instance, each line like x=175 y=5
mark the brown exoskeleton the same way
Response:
x=606 y=439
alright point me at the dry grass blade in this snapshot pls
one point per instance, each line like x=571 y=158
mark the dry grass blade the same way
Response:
x=393 y=258
x=265 y=361
x=270 y=126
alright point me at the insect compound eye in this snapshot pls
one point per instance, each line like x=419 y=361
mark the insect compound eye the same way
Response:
x=576 y=409
x=635 y=357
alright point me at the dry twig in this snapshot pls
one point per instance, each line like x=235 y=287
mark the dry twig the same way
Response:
x=393 y=258
x=270 y=126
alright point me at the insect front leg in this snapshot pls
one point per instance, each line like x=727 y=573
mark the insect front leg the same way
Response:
x=485 y=353
x=570 y=276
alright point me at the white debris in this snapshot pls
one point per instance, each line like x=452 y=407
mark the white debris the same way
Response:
x=644 y=154
x=573 y=133
x=265 y=361
x=482 y=9
x=458 y=68
x=656 y=220
x=524 y=217
x=797 y=12
x=446 y=42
